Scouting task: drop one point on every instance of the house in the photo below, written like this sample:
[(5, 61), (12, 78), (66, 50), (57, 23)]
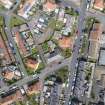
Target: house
[(96, 32), (53, 56), (33, 88), (6, 3), (20, 43), (49, 6), (11, 98), (66, 42), (32, 63), (94, 40), (4, 53), (9, 73), (25, 8), (99, 4)]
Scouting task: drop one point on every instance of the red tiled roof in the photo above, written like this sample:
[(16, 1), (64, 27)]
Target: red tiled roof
[(12, 98), (20, 44), (66, 42), (35, 88), (48, 6), (99, 4), (96, 32), (5, 50)]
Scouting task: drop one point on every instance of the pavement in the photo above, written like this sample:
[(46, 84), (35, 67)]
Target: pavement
[(77, 44), (45, 72), (71, 63)]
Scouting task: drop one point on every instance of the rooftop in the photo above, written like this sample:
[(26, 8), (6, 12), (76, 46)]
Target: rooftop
[(6, 3), (34, 88), (49, 6), (102, 57), (25, 8), (17, 96), (4, 50), (7, 74), (96, 32), (66, 42), (93, 50), (32, 63), (20, 43), (99, 4)]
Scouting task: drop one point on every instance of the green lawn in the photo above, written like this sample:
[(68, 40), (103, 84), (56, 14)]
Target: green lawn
[(15, 21), (2, 32), (1, 20)]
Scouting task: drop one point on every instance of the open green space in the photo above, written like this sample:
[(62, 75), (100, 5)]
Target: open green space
[(15, 21), (34, 51), (66, 52), (2, 32), (63, 74), (52, 23), (55, 24), (71, 11), (1, 20), (59, 25)]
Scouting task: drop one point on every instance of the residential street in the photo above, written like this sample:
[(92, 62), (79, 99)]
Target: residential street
[(74, 88)]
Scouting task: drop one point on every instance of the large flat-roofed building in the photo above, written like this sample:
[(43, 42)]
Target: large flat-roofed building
[(6, 3), (102, 57)]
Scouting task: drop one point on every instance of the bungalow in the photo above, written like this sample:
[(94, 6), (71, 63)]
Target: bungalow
[(99, 4), (32, 63), (66, 42), (6, 3), (9, 73), (11, 98), (94, 40), (49, 6), (33, 88), (25, 8), (20, 43), (4, 52)]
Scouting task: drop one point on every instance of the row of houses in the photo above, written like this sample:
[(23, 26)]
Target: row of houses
[(16, 95), (6, 54), (23, 38), (26, 9)]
